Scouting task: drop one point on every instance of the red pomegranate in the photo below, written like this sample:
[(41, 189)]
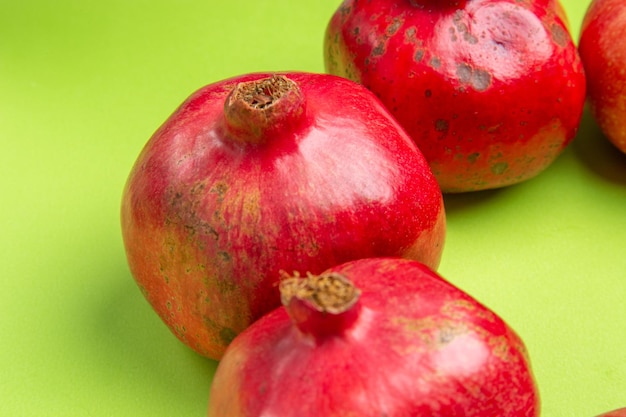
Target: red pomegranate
[(491, 91), (261, 173), (602, 48), (375, 337), (615, 413)]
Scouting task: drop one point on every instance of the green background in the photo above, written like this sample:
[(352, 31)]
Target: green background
[(82, 87)]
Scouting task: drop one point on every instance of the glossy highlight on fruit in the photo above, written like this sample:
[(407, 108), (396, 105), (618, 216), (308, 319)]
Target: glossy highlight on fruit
[(375, 337), (492, 91), (267, 172), (602, 49)]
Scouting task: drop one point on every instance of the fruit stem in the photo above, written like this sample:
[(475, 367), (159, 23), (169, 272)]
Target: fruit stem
[(255, 111), (321, 305)]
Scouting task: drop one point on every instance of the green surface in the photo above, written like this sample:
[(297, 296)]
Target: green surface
[(82, 87)]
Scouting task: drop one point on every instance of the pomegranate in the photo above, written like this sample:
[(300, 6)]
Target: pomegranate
[(265, 172), (375, 337), (491, 91), (602, 49), (615, 413)]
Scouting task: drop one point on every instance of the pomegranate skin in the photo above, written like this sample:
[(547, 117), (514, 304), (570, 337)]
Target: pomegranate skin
[(602, 48), (621, 412), (420, 347), (213, 210), (492, 91)]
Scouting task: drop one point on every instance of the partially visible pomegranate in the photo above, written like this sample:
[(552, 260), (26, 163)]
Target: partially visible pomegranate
[(375, 337), (615, 413), (491, 91), (602, 49), (265, 172)]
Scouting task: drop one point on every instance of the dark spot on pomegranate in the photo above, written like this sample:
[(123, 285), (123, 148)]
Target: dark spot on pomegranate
[(224, 286), (409, 35), (220, 188), (428, 93), (494, 129), (227, 335), (453, 37), (442, 125), (393, 28), (419, 55), (469, 38), (345, 10), (464, 72), (481, 79), (379, 49), (499, 168), (208, 230), (446, 335), (559, 35), (435, 62), (471, 158)]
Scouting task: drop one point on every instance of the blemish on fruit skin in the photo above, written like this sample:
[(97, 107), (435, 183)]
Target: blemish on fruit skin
[(493, 129), (464, 72), (462, 28), (479, 79), (379, 49), (393, 27), (391, 30), (345, 11), (442, 125), (499, 168), (435, 62), (227, 335), (419, 55), (495, 156), (559, 35), (220, 188), (453, 37), (470, 38), (409, 35), (224, 256), (180, 330)]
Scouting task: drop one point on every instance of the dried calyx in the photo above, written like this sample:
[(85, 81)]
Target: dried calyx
[(331, 293), (263, 93), (256, 111), (320, 305)]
